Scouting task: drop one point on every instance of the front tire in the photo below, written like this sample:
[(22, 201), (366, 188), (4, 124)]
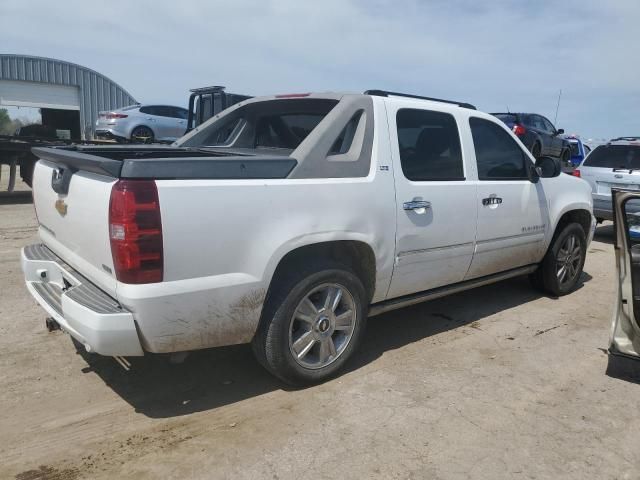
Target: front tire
[(561, 268), (142, 134), (311, 324)]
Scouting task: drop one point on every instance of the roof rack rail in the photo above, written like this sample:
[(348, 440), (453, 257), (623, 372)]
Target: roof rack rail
[(385, 93), (626, 139), (212, 89)]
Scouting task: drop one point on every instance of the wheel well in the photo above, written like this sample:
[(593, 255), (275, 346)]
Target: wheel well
[(582, 217), (533, 146), (356, 255)]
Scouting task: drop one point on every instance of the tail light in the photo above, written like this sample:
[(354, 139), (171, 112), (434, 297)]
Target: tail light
[(113, 116), (135, 231), (519, 130), (576, 173)]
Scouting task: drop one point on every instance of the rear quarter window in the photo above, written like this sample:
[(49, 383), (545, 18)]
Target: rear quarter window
[(506, 117)]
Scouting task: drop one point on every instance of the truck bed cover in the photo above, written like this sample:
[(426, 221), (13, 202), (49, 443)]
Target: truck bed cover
[(168, 163)]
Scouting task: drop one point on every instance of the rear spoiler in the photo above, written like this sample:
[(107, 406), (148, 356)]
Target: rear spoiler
[(79, 161), (167, 163)]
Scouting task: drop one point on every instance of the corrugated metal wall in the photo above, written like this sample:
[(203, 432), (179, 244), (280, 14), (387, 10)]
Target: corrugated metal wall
[(97, 92)]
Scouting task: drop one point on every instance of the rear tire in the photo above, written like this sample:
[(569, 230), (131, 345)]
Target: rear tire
[(308, 330), (561, 269)]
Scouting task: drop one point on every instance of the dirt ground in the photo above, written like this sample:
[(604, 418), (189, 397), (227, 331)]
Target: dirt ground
[(495, 383)]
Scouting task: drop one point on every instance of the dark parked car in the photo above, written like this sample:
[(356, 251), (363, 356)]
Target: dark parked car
[(538, 134)]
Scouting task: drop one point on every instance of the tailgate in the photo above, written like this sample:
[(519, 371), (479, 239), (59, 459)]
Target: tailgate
[(75, 225), (602, 180)]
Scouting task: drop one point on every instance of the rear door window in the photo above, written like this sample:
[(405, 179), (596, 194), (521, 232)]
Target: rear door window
[(537, 123), (548, 126), (498, 155), (624, 157), (429, 145), (169, 112), (174, 112)]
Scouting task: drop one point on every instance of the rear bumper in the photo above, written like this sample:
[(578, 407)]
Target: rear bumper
[(84, 311), (603, 208), (110, 132)]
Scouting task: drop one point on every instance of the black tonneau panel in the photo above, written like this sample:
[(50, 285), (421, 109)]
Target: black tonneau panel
[(168, 163), (79, 161), (209, 168)]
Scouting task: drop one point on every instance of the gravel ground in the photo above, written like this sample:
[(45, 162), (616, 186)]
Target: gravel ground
[(495, 383)]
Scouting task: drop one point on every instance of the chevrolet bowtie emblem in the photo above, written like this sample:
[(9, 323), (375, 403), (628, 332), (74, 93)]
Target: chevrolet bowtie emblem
[(61, 207)]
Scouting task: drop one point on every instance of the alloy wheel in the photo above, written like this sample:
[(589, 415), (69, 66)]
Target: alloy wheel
[(322, 326), (141, 135), (568, 260)]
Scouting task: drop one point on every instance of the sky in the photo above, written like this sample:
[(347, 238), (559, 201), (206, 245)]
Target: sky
[(496, 54)]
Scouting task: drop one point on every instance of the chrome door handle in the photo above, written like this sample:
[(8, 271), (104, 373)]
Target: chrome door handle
[(418, 206)]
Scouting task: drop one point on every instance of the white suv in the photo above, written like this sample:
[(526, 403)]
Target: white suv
[(614, 165)]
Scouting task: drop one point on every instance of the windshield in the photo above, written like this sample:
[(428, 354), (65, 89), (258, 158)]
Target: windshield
[(277, 124), (615, 156)]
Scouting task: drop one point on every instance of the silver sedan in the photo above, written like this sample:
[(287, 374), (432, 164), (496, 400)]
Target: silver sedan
[(143, 123)]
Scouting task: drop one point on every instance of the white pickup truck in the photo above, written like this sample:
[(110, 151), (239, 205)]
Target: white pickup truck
[(285, 221)]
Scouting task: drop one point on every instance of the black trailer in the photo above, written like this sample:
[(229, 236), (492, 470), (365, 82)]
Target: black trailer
[(15, 151), (206, 102)]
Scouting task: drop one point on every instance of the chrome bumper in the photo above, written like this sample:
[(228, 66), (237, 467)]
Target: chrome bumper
[(83, 310)]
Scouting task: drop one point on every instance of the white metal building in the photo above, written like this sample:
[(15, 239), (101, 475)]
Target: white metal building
[(27, 81)]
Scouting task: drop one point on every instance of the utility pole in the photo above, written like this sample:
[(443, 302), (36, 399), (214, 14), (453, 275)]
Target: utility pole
[(555, 120)]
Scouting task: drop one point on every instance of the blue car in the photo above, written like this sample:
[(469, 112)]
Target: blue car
[(579, 150)]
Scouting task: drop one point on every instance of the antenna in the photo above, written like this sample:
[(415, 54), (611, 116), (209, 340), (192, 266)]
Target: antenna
[(555, 120)]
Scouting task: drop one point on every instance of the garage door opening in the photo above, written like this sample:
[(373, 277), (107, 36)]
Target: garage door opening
[(41, 110), (45, 123)]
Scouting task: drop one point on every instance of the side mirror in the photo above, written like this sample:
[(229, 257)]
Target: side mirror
[(548, 167), (560, 131)]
